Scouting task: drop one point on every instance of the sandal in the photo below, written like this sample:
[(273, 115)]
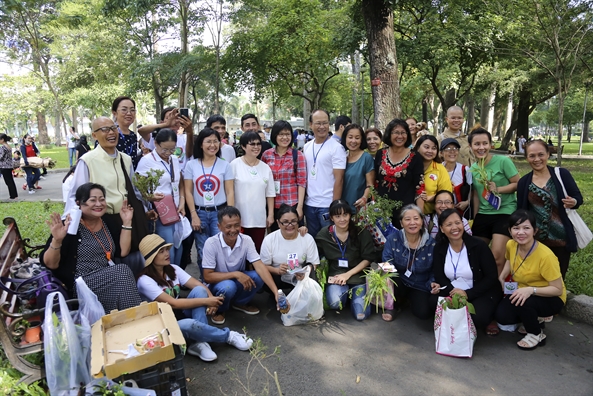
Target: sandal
[(546, 319), (388, 315), (532, 341), (542, 325), (492, 329)]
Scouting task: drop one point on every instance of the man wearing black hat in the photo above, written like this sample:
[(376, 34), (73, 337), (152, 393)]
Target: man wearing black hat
[(6, 165)]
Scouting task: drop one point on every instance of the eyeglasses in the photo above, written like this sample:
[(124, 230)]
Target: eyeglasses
[(444, 202), (451, 149), (211, 142), (126, 111), (283, 135), (164, 150), (318, 124), (398, 133), (93, 202), (286, 223), (254, 144), (107, 129)]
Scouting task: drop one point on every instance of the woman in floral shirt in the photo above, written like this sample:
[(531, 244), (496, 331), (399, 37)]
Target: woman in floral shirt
[(399, 171)]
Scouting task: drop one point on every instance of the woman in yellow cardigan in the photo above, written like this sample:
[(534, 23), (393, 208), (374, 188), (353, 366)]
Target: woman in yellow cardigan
[(436, 177)]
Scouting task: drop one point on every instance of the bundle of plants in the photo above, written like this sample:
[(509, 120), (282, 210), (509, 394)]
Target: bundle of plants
[(380, 285), (148, 184), (457, 302), (376, 217)]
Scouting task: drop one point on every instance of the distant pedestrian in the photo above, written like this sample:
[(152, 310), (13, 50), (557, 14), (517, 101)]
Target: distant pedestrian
[(72, 139), (6, 165)]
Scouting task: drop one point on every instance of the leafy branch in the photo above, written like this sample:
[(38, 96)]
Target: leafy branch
[(377, 212), (149, 183), (456, 302)]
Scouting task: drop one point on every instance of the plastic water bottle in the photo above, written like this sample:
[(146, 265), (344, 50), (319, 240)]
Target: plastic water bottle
[(282, 303), (174, 388)]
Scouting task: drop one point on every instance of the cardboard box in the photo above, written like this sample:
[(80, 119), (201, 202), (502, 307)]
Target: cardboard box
[(119, 329)]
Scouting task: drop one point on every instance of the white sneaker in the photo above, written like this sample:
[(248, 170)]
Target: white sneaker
[(239, 341), (31, 191), (203, 351)]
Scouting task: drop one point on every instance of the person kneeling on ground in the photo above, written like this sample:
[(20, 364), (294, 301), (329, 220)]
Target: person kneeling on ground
[(224, 266), (161, 281), (348, 251), (410, 250), (535, 291), (288, 248), (90, 253)]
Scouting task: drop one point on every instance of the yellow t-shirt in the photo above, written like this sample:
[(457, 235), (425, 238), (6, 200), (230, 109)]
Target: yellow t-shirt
[(540, 268), (436, 178)]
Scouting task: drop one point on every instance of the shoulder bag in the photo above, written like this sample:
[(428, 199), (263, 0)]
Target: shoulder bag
[(583, 233)]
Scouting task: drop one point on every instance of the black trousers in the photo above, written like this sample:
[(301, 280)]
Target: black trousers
[(420, 301), (9, 180), (508, 313)]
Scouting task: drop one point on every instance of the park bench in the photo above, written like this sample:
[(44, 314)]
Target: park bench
[(13, 326)]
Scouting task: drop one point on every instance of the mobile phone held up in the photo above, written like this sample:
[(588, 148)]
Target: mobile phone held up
[(184, 112)]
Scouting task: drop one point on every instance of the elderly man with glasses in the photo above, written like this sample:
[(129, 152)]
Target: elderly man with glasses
[(113, 170)]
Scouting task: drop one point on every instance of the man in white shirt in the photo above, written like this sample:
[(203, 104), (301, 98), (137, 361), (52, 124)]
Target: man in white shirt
[(72, 138), (218, 123), (225, 255), (326, 164)]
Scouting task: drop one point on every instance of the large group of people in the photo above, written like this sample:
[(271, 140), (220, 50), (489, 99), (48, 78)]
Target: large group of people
[(466, 223)]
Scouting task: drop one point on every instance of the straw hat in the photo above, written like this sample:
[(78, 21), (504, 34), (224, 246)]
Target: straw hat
[(150, 246)]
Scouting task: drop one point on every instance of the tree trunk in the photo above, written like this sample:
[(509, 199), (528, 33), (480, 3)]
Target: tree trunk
[(560, 119), (491, 100), (484, 113), (470, 113), (355, 62), (586, 132), (509, 114), (41, 123), (378, 17), (306, 111), (183, 83)]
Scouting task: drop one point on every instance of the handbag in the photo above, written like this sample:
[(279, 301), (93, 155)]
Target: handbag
[(454, 331), (582, 232), (167, 210), (34, 289)]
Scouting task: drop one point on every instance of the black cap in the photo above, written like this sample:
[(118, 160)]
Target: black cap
[(449, 141)]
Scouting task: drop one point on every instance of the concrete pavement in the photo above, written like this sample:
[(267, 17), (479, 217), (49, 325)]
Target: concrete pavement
[(51, 188)]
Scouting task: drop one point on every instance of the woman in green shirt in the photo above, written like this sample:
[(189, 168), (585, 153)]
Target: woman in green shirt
[(495, 181)]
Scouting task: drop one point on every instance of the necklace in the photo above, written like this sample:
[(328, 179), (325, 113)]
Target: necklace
[(245, 160)]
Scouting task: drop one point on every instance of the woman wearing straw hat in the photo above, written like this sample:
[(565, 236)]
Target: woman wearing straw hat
[(161, 281)]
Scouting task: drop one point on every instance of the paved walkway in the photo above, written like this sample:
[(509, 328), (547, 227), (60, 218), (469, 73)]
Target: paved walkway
[(51, 188)]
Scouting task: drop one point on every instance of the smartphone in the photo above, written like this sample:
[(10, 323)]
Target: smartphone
[(184, 112), (325, 216), (331, 280)]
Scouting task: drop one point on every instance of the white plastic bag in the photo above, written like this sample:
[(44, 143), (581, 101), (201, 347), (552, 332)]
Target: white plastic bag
[(454, 331), (89, 304), (306, 302), (66, 347)]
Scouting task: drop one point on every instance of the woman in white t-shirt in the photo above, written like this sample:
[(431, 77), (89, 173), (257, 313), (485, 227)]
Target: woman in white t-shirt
[(254, 187), (161, 281), (209, 187), (286, 249)]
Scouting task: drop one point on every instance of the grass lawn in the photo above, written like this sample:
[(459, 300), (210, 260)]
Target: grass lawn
[(31, 217), (60, 154)]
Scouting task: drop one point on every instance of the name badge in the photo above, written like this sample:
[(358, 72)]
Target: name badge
[(292, 260), (313, 173), (343, 263), (277, 187), (510, 287), (208, 198), (408, 273)]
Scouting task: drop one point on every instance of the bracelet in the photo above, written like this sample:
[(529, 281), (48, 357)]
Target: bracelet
[(192, 211), (534, 290), (55, 248), (126, 228)]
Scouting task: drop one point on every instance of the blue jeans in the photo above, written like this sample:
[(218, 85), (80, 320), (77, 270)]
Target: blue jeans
[(233, 291), (71, 155), (33, 175), (337, 296), (197, 328), (167, 232), (209, 227), (315, 221)]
